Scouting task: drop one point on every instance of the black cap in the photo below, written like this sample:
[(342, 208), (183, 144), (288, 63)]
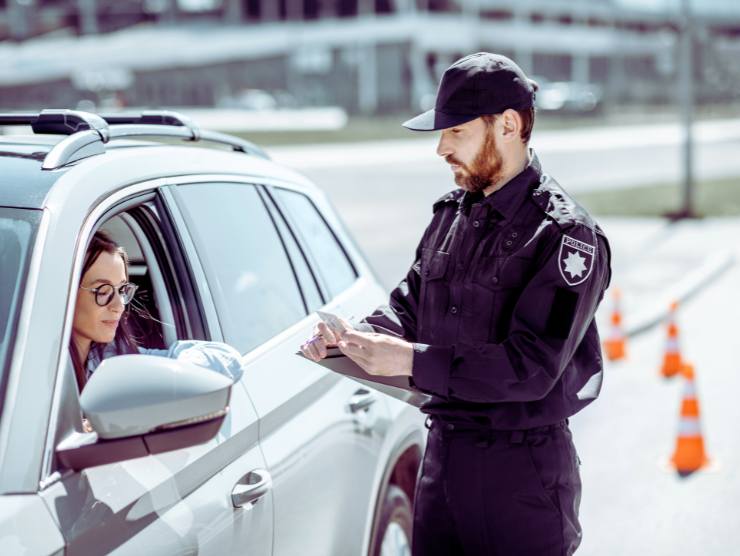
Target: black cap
[(476, 85)]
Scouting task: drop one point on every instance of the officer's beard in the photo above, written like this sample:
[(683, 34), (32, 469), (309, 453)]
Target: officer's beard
[(485, 170)]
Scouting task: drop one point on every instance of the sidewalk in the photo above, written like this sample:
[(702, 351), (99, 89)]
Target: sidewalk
[(656, 263)]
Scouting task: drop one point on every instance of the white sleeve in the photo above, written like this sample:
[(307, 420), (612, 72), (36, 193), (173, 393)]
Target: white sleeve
[(216, 356)]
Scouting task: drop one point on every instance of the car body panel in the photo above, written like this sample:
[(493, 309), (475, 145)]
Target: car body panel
[(328, 465), (26, 527), (176, 502)]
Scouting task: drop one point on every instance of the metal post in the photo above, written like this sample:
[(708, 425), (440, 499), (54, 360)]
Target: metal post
[(294, 10), (367, 74), (580, 68), (270, 10), (88, 13), (686, 76), (234, 12)]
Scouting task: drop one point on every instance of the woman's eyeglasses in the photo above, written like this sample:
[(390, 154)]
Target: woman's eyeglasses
[(104, 293)]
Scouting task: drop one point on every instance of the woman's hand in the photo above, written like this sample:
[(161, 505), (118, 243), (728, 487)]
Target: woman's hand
[(86, 426)]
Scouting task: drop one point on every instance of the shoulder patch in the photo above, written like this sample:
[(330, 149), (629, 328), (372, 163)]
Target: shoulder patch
[(575, 260)]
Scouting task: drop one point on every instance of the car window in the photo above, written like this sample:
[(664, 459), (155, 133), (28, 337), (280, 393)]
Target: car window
[(246, 265), (306, 279), (17, 232), (329, 257)]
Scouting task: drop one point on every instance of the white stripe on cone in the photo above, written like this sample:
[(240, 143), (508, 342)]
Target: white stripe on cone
[(689, 427)]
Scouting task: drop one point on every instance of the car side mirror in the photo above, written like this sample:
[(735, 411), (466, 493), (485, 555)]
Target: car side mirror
[(145, 404)]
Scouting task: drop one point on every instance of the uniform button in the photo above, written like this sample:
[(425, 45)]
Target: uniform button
[(494, 279), (509, 243), (450, 427), (476, 223), (426, 272), (514, 234), (453, 310)]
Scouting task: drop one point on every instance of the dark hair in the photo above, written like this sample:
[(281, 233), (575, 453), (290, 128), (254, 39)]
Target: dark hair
[(527, 116), (123, 340)]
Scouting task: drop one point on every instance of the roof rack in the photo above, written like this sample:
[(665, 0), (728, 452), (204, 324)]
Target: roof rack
[(89, 132)]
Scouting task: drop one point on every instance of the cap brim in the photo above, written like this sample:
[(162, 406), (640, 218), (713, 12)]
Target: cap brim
[(432, 120)]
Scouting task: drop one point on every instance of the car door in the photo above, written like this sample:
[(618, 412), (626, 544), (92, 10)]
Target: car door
[(320, 433), (180, 502)]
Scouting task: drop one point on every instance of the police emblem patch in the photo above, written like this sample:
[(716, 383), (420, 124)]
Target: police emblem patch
[(575, 261)]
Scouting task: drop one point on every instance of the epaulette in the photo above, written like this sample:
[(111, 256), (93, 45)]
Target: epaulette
[(558, 205), (451, 197)]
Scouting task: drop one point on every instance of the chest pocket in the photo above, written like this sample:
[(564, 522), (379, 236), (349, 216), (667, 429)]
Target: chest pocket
[(433, 264), (500, 273)]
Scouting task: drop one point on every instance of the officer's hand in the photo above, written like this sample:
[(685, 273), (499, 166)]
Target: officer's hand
[(378, 354), (323, 338)]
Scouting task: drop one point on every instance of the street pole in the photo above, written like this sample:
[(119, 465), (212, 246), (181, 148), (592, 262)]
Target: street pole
[(686, 76)]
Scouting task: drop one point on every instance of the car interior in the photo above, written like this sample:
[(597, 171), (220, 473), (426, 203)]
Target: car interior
[(149, 315)]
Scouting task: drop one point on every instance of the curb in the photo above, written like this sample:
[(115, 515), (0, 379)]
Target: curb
[(713, 267)]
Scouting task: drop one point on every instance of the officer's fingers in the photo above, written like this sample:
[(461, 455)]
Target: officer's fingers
[(347, 326), (324, 331), (315, 351)]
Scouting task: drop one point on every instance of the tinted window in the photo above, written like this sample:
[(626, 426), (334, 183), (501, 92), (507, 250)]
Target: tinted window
[(328, 256), (17, 232), (253, 284)]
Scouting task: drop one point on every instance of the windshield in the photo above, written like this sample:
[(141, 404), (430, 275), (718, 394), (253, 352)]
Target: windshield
[(17, 232)]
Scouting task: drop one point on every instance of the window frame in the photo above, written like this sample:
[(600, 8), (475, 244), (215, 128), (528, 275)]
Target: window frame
[(303, 244), (131, 199), (14, 310), (276, 213)]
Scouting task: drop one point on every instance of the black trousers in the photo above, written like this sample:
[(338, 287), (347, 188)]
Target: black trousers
[(497, 493)]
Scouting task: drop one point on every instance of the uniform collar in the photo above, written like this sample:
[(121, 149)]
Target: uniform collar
[(507, 200)]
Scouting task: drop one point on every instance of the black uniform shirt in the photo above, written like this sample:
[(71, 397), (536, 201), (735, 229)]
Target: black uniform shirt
[(500, 305)]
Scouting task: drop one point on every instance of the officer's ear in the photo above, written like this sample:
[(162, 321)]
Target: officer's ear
[(510, 123)]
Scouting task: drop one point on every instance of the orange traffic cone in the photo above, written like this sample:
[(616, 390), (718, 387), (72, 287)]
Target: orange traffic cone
[(689, 455), (672, 358), (615, 344)]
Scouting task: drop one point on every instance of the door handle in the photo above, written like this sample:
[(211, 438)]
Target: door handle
[(251, 487), (362, 399)]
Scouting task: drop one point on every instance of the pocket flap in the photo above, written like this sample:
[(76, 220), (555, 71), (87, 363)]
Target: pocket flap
[(433, 263)]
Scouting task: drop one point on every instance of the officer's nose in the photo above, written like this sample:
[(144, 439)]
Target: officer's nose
[(443, 147)]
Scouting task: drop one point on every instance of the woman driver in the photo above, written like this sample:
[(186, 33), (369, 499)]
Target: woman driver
[(100, 330)]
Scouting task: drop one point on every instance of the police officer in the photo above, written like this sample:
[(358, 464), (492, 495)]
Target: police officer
[(495, 319)]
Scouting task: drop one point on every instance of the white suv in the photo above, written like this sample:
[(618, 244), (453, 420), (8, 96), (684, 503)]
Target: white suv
[(225, 245)]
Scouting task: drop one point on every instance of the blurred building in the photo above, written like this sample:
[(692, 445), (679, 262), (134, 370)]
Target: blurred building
[(368, 56)]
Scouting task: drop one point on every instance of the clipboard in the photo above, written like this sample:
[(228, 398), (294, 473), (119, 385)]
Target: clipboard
[(397, 387)]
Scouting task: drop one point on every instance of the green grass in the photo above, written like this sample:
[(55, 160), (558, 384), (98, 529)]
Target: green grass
[(389, 127), (712, 198), (377, 128)]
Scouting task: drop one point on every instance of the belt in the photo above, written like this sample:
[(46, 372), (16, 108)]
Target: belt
[(488, 434)]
